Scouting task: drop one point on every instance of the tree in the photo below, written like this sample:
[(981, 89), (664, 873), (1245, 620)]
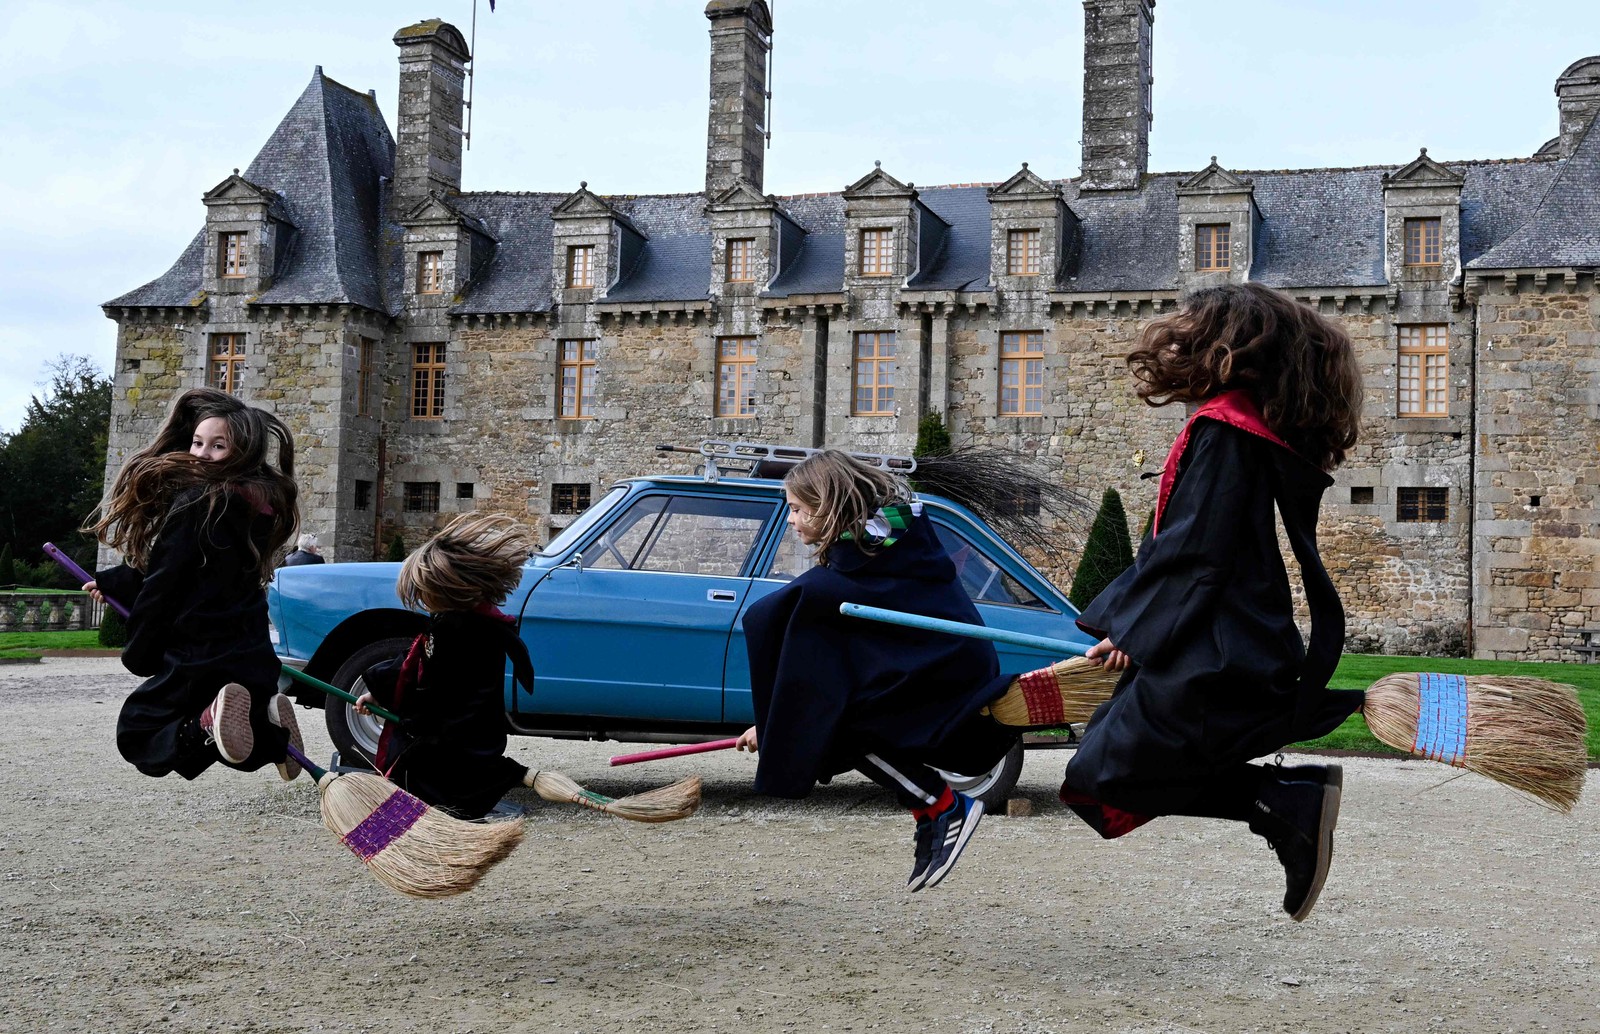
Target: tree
[(1107, 554), (933, 438), (52, 470), (113, 632), (397, 548), (8, 568)]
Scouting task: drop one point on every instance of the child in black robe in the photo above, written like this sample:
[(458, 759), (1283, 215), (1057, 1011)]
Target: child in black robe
[(449, 690), (833, 693), (1203, 623), (199, 515)]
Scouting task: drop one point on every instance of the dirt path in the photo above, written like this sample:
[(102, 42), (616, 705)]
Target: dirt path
[(131, 904)]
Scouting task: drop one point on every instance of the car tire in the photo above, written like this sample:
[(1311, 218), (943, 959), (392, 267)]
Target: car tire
[(355, 736), (993, 787)]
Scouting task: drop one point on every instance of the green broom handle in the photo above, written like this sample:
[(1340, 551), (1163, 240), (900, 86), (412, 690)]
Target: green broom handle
[(335, 691), (996, 635)]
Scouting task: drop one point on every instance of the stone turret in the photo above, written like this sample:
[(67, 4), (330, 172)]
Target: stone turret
[(741, 36), (1578, 95), (1116, 93)]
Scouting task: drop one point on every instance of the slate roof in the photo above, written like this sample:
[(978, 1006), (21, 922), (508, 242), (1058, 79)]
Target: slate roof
[(325, 160), (1319, 227)]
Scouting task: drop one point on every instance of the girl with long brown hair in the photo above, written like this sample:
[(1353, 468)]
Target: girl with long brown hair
[(199, 515), (1203, 624)]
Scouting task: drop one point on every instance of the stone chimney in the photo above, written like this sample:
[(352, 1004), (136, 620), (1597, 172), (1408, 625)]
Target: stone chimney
[(427, 156), (1578, 95), (1116, 93), (741, 35)]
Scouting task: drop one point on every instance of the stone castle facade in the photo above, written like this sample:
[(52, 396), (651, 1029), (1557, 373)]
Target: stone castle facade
[(436, 350)]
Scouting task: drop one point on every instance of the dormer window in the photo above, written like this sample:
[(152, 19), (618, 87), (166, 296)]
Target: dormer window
[(430, 272), (1422, 242), (580, 265), (1022, 253), (232, 261), (741, 260), (877, 252), (1211, 252)]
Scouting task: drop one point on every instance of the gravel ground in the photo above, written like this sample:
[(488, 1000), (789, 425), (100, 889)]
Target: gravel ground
[(135, 904)]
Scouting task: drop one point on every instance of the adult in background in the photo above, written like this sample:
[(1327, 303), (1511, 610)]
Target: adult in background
[(307, 551)]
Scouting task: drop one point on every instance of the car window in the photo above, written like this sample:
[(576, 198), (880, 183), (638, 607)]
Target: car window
[(585, 521), (792, 559), (984, 580), (681, 535)]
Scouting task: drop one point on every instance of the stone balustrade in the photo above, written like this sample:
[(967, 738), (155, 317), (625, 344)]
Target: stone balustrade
[(48, 611)]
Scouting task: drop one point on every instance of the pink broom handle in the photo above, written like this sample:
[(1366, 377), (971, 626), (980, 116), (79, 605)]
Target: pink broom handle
[(83, 577), (672, 752)]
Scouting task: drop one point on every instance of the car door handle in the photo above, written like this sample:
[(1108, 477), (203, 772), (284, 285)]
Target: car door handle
[(721, 595)]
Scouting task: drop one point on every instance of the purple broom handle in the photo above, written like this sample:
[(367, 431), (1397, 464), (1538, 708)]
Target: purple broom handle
[(84, 577), (674, 752)]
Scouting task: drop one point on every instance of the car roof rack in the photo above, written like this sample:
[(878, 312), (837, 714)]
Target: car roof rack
[(763, 460)]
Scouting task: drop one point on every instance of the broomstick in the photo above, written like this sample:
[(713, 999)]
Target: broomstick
[(664, 804), (1526, 733), (409, 846)]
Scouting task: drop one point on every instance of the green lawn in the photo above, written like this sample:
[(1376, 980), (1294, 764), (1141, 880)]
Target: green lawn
[(28, 644), (1358, 671)]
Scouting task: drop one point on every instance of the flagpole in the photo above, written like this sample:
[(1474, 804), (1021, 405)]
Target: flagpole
[(472, 63)]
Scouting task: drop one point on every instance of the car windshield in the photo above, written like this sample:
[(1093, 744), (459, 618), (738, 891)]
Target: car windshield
[(585, 521)]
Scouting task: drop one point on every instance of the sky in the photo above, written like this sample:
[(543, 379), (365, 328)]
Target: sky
[(121, 115)]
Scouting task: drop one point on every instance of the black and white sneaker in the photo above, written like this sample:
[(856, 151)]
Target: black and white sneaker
[(924, 853), (952, 828)]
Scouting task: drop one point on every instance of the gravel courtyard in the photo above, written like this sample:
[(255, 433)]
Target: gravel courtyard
[(135, 904)]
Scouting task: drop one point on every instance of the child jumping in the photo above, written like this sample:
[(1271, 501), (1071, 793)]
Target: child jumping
[(199, 515), (1203, 624), (832, 693), (449, 745)]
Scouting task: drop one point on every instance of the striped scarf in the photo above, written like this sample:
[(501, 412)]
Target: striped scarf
[(886, 526)]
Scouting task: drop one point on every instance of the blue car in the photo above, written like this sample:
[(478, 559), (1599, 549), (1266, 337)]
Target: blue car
[(633, 615)]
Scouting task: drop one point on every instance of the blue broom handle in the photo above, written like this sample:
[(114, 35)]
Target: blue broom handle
[(997, 635)]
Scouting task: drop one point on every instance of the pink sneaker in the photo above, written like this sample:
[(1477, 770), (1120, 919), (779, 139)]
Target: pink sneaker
[(280, 711), (226, 723)]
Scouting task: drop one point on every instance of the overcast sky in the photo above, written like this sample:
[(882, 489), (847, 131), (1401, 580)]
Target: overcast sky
[(120, 115)]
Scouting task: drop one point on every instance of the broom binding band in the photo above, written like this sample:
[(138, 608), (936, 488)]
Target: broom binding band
[(1441, 718)]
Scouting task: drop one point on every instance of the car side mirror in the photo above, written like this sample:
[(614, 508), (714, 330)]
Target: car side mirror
[(576, 563)]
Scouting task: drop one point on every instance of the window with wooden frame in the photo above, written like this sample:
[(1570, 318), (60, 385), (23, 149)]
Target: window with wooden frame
[(741, 260), (577, 376), (1422, 242), (877, 252), (430, 272), (1022, 373), (569, 498), (1422, 505), (366, 352), (363, 500), (874, 374), (233, 260), (1022, 252), (1211, 247), (736, 377), (580, 265), (1424, 370), (427, 381), (225, 372), (422, 497)]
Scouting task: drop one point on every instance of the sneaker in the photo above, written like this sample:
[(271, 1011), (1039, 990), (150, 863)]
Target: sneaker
[(226, 723), (280, 712), (924, 852), (951, 829), (1297, 809)]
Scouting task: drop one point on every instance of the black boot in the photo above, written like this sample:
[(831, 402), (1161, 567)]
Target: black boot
[(1296, 810)]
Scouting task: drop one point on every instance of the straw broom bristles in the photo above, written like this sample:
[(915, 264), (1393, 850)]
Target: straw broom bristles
[(1065, 693), (409, 846), (1526, 733), (664, 804)]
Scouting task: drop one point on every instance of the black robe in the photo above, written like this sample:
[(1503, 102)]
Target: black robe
[(829, 689), (449, 745), (1219, 672), (197, 621)]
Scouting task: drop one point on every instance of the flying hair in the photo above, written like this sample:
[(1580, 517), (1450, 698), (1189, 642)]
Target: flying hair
[(475, 560), (842, 494)]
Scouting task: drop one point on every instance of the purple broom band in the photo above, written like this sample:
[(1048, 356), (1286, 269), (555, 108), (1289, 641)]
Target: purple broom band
[(1441, 717), (388, 822)]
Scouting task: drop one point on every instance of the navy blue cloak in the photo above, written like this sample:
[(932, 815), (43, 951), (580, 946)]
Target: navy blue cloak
[(830, 689)]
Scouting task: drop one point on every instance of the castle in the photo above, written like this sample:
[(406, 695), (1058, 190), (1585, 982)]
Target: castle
[(436, 351)]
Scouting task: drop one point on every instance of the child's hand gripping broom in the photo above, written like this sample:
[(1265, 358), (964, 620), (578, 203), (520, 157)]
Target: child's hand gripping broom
[(1065, 693), (1526, 733), (664, 804), (407, 845)]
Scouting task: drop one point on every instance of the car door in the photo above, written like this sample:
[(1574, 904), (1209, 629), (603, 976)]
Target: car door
[(637, 625)]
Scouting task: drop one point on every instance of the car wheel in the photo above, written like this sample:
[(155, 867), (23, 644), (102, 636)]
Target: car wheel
[(994, 786), (355, 736)]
